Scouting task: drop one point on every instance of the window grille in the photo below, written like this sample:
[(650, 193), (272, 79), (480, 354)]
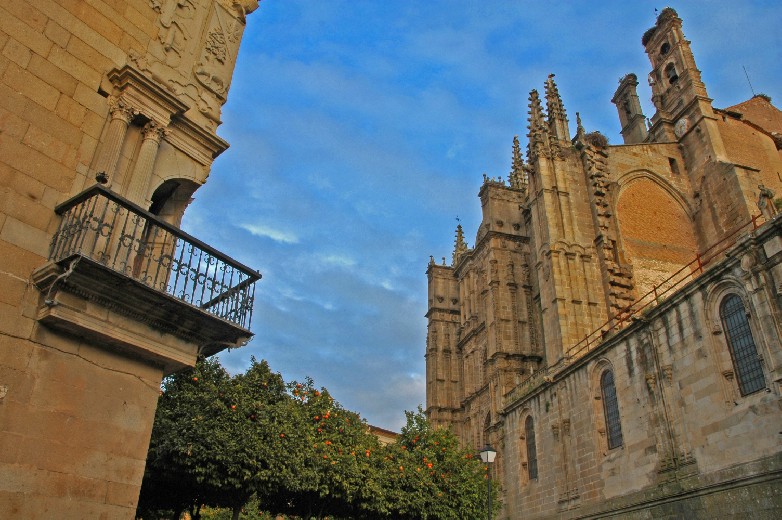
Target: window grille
[(532, 452), (611, 408), (746, 362)]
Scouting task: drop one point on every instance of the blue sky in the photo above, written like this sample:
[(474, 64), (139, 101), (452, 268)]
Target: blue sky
[(359, 130)]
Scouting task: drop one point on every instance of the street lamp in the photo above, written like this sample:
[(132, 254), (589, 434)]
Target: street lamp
[(487, 456)]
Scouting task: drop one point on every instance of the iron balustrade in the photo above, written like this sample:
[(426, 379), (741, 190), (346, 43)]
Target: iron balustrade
[(625, 316), (100, 225)]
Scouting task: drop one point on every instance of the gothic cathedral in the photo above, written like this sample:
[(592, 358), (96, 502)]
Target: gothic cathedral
[(615, 330)]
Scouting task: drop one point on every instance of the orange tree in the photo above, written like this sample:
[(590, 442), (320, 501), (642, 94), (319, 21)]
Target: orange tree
[(428, 476), (218, 440), (336, 470), (215, 440)]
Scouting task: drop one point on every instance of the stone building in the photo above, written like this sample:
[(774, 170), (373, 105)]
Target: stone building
[(108, 118), (615, 330)]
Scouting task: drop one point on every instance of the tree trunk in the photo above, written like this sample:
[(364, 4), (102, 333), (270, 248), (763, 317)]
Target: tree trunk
[(237, 510)]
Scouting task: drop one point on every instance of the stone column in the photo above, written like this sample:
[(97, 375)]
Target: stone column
[(121, 116), (139, 181)]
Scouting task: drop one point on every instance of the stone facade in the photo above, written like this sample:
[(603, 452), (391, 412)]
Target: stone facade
[(615, 331), (108, 117)]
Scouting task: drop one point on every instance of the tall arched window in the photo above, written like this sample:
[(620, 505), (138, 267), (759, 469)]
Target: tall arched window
[(611, 409), (746, 362), (532, 452)]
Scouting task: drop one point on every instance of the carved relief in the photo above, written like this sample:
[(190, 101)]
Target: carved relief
[(215, 65), (195, 52), (178, 18)]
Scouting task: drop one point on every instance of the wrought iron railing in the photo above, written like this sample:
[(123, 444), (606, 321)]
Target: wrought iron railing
[(624, 317), (100, 225), (659, 292)]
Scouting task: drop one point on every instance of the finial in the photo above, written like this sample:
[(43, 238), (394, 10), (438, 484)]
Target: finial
[(431, 260), (517, 177), (460, 246), (536, 125), (557, 119)]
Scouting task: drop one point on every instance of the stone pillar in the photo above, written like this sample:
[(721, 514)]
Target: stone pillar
[(121, 116), (139, 181)]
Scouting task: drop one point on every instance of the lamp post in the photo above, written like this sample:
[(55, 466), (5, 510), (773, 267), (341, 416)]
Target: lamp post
[(487, 456)]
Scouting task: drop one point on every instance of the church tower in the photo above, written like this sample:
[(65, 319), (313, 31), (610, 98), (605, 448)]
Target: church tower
[(572, 302), (678, 93), (724, 191)]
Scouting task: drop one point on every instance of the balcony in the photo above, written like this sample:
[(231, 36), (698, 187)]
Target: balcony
[(120, 274)]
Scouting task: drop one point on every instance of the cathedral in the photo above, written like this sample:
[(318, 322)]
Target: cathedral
[(614, 333)]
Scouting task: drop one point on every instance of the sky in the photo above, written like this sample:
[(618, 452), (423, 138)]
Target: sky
[(360, 131)]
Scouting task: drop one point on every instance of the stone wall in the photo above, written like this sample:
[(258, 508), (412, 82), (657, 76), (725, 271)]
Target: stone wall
[(130, 90), (604, 228), (692, 443)]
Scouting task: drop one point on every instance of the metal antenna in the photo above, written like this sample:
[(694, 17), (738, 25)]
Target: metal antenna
[(748, 81)]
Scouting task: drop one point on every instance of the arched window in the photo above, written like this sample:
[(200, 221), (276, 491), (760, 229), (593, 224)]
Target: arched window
[(746, 362), (611, 409), (532, 452), (670, 73)]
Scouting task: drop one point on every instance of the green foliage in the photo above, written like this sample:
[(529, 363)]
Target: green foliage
[(213, 440), (428, 476), (250, 445)]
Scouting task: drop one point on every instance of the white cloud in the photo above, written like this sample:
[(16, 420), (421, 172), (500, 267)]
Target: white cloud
[(338, 260), (277, 235), (360, 130)]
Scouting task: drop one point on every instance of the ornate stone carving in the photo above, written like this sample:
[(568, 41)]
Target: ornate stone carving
[(766, 202), (121, 109), (154, 131), (178, 19)]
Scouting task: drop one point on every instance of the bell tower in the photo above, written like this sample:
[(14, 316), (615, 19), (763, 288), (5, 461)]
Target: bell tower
[(682, 104)]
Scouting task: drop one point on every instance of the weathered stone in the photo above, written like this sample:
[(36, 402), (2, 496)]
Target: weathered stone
[(625, 274), (82, 355)]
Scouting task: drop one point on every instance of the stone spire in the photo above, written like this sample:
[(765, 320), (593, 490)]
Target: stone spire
[(460, 246), (580, 132), (517, 177), (557, 118), (538, 131)]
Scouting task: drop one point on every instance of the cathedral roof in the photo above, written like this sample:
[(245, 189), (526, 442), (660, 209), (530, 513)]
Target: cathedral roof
[(759, 111)]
